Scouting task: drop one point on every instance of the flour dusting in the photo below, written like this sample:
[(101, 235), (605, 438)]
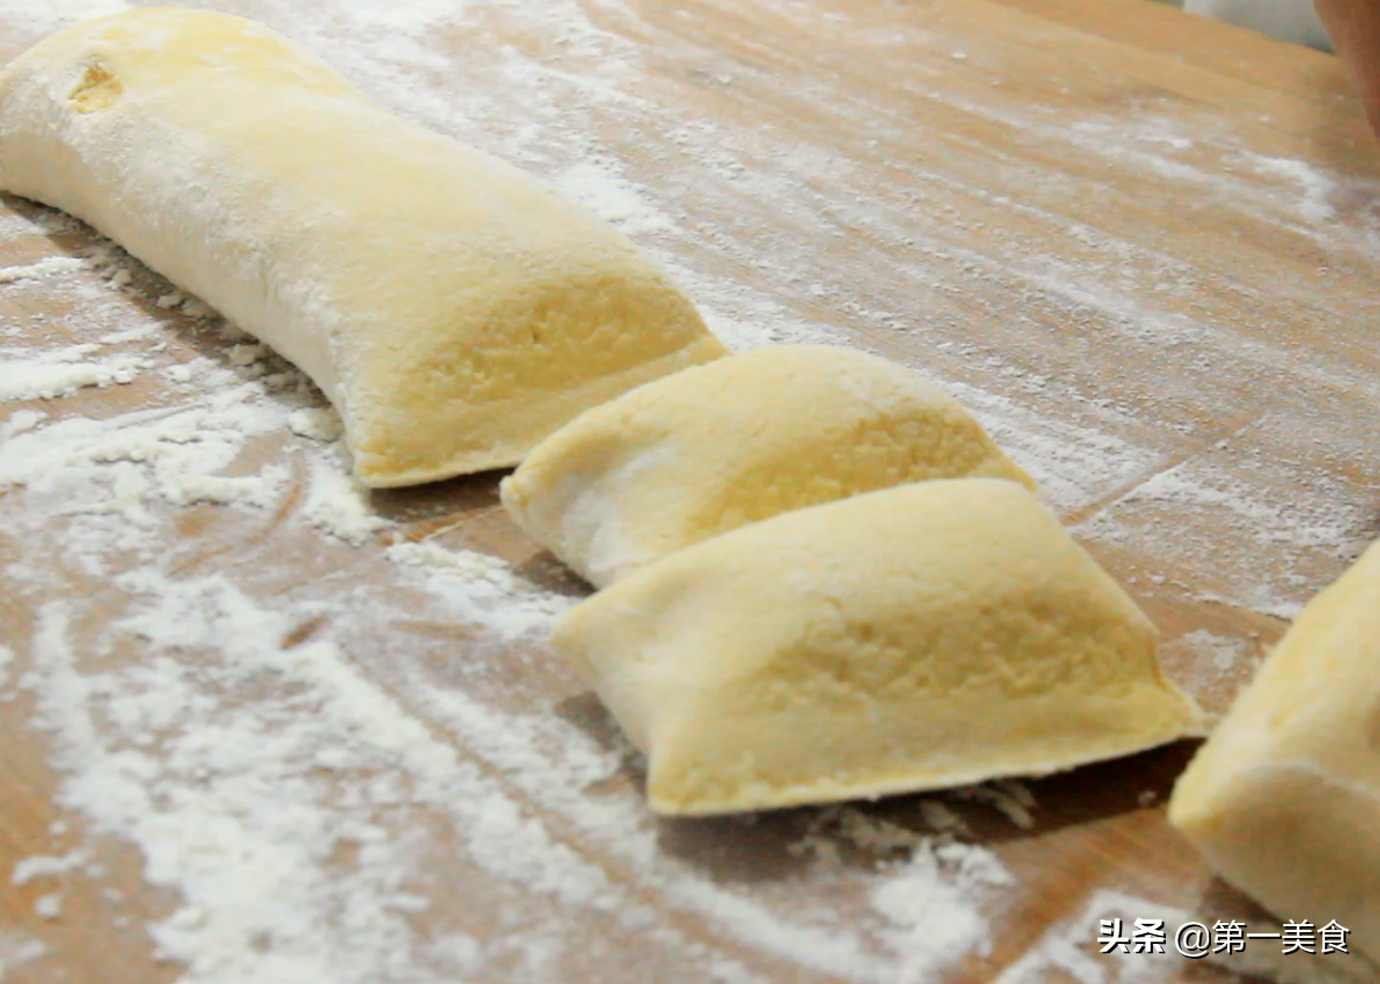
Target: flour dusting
[(479, 588), (1314, 185), (318, 423), (324, 719), (1063, 949), (338, 503), (40, 269), (16, 950), (62, 372)]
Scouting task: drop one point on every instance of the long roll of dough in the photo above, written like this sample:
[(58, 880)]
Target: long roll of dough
[(453, 309)]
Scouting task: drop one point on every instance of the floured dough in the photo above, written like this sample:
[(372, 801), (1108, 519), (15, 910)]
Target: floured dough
[(452, 308), (739, 440), (1284, 799), (929, 635)]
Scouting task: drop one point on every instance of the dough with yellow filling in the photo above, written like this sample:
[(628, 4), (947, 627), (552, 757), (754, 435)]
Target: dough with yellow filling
[(452, 308), (933, 634), (742, 439), (1284, 798)]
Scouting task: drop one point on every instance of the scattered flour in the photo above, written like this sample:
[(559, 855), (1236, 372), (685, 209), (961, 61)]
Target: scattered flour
[(1313, 183), (117, 464), (20, 421), (47, 866), (1270, 552), (1063, 951), (333, 795), (1285, 611), (243, 762), (479, 589), (48, 906), (556, 764), (596, 185), (75, 10), (40, 269), (1223, 653), (930, 903), (16, 950), (338, 503), (318, 423), (62, 372), (241, 812)]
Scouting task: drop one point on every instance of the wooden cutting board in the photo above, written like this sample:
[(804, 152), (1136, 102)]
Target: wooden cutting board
[(1142, 246)]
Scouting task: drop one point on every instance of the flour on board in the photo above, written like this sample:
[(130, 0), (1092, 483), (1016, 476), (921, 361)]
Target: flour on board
[(320, 755), (1062, 951), (42, 268), (62, 372), (478, 588), (241, 807), (338, 503), (318, 423), (16, 950)]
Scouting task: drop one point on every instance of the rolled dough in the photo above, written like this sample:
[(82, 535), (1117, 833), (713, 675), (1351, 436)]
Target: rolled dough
[(742, 439), (1284, 798), (928, 635), (452, 308)]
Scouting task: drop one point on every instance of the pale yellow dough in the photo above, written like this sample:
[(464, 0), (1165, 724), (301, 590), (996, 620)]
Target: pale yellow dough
[(1284, 799), (452, 308), (742, 439), (929, 635)]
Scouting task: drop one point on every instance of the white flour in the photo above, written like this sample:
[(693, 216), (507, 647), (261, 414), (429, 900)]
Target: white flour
[(239, 760), (1223, 652), (318, 423), (1316, 186), (1063, 951), (43, 268), (17, 950), (61, 372), (242, 771), (337, 502), (478, 589), (348, 756)]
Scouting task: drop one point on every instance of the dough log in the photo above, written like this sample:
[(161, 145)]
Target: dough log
[(929, 635), (740, 440), (1283, 800), (452, 308)]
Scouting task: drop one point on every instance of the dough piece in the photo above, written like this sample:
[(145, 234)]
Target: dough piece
[(740, 440), (1284, 799), (929, 635), (452, 308)]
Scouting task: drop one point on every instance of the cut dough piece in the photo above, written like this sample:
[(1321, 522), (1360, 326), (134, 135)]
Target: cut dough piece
[(452, 308), (1284, 799), (745, 438), (929, 635)]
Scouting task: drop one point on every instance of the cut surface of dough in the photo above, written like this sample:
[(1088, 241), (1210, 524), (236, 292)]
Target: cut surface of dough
[(452, 308), (742, 439), (929, 635), (1283, 800)]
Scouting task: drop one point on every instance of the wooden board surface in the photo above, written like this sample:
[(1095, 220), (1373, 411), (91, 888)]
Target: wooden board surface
[(1140, 245)]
